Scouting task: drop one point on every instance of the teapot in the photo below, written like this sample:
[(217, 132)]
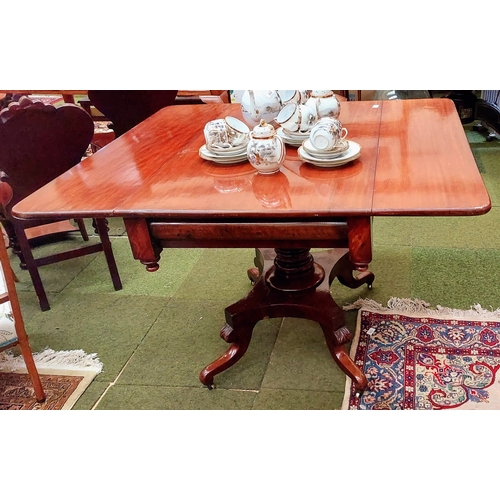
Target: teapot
[(325, 103), (257, 105), (265, 150)]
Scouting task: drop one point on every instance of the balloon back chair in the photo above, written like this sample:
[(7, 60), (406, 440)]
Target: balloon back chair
[(39, 142)]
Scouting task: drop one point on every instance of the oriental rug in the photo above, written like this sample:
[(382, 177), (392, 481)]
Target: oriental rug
[(64, 375), (419, 358)]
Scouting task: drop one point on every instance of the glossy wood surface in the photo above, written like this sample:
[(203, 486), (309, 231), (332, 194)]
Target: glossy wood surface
[(425, 165), (415, 160)]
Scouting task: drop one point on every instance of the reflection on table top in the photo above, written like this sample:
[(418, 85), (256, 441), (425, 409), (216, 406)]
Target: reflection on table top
[(415, 161)]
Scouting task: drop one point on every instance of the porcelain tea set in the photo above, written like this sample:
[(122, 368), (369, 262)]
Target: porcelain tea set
[(226, 141), (304, 119)]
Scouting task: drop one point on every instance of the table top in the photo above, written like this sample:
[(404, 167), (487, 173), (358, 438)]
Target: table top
[(415, 160)]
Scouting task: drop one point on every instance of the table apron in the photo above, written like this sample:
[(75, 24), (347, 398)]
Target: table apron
[(149, 236), (241, 235)]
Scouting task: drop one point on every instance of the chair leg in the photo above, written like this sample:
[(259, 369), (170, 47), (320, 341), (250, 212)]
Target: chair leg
[(94, 225), (32, 269), (31, 367), (83, 229), (102, 229), (22, 337), (14, 243)]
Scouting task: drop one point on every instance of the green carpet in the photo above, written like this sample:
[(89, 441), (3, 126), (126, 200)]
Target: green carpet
[(156, 334)]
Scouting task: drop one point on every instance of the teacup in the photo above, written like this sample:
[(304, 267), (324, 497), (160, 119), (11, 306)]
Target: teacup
[(288, 96), (238, 132), (296, 118), (226, 133), (327, 133)]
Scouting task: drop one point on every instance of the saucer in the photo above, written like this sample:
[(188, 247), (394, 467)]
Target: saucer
[(222, 159), (292, 140), (333, 153), (351, 154), (230, 151), (295, 135)]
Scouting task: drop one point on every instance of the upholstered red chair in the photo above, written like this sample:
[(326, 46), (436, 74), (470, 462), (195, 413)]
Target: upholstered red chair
[(38, 143)]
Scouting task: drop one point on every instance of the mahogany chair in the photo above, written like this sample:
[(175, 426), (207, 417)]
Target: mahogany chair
[(127, 108), (39, 142)]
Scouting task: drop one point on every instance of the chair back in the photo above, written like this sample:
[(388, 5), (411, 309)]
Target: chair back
[(127, 108), (39, 142), (5, 192)]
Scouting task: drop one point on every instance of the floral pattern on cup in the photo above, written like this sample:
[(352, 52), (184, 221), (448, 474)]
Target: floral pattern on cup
[(226, 133), (296, 118), (327, 133), (215, 132), (238, 132)]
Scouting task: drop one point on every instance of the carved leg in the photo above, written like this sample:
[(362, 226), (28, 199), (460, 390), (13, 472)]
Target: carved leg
[(144, 247), (334, 341), (14, 243), (253, 275), (343, 270), (239, 344), (290, 284), (261, 256), (360, 242), (95, 225)]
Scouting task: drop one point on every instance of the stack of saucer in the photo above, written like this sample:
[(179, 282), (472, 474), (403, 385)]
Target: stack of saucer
[(292, 138), (344, 152), (226, 156), (226, 141)]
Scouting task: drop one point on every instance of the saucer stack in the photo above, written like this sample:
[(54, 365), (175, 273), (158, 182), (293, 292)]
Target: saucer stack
[(225, 156), (226, 141), (342, 153), (292, 138)]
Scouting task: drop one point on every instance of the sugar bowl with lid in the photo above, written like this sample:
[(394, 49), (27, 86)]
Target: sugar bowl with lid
[(265, 150)]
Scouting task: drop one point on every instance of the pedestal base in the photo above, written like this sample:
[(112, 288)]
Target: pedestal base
[(291, 283)]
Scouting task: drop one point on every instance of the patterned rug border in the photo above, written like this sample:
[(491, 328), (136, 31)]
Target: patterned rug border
[(74, 363), (414, 308)]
